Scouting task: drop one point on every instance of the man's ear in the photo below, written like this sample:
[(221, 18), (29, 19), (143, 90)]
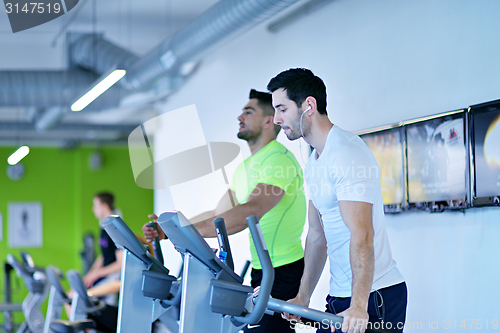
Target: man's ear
[(269, 122), (310, 102)]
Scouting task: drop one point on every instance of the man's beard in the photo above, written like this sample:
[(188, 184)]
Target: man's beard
[(248, 135), (293, 132)]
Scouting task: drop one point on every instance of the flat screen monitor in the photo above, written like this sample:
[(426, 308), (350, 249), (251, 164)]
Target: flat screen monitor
[(486, 152), (437, 161), (387, 147)]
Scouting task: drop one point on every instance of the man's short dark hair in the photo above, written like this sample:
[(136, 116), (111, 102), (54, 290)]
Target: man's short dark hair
[(265, 103), (299, 84), (108, 198)]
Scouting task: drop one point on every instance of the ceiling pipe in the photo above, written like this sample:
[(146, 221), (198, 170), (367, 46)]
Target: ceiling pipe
[(13, 133), (224, 19), (57, 88), (45, 89), (94, 53), (41, 88), (32, 113), (51, 89), (21, 127), (49, 118)]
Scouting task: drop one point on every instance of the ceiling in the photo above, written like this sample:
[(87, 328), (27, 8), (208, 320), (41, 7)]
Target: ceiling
[(136, 26), (159, 41)]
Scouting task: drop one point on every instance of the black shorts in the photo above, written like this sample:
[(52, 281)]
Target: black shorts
[(286, 279), (286, 286)]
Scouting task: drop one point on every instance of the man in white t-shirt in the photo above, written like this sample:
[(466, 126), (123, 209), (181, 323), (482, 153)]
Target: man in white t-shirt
[(346, 216)]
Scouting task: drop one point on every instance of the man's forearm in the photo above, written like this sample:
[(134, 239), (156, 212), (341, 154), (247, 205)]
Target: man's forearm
[(203, 217), (314, 262), (114, 267), (106, 289), (234, 218), (97, 263), (362, 266)]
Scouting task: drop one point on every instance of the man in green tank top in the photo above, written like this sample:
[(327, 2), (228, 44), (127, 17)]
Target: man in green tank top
[(268, 184)]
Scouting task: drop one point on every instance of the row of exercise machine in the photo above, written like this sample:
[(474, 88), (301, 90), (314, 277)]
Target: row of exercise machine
[(208, 296), (36, 280), (7, 307)]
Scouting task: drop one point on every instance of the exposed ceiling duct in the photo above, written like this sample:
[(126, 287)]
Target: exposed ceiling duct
[(224, 19), (94, 53), (45, 89), (52, 89), (49, 117), (13, 132), (67, 127)]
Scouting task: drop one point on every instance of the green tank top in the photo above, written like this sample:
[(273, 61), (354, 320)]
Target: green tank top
[(282, 226)]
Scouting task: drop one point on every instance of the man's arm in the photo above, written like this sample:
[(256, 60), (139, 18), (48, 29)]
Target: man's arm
[(103, 271), (150, 233), (262, 199), (112, 287), (97, 263), (314, 260), (227, 202), (358, 218)]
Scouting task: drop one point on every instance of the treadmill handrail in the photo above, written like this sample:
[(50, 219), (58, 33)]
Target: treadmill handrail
[(76, 283), (156, 244), (267, 273), (54, 276), (123, 237), (186, 238), (324, 318), (220, 229), (18, 267), (279, 306)]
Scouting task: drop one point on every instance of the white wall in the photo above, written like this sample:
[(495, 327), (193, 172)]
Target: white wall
[(382, 61)]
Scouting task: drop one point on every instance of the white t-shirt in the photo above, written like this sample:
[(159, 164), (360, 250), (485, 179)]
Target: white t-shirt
[(348, 171)]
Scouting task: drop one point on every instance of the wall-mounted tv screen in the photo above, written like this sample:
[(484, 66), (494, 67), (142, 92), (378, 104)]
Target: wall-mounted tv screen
[(437, 160), (387, 148), (486, 151)]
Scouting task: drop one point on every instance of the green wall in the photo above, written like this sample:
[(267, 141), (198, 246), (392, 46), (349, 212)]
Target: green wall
[(64, 184)]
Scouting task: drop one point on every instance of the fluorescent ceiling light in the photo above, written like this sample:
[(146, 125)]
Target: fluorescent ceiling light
[(98, 89), (18, 155)]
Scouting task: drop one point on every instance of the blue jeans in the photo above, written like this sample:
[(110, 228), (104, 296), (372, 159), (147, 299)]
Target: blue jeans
[(386, 308)]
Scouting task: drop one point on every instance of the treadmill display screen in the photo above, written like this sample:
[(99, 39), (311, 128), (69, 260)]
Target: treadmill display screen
[(388, 151), (487, 153), (436, 159)]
